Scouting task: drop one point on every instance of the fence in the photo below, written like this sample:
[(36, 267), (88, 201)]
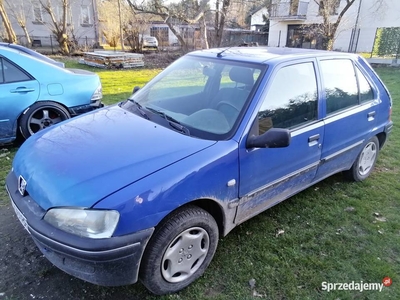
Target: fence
[(381, 43), (49, 44)]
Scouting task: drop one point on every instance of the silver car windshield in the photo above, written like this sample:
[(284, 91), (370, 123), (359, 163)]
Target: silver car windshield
[(203, 94)]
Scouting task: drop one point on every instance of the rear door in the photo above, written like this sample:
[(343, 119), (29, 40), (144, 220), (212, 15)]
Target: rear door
[(351, 105), (18, 90), (268, 176)]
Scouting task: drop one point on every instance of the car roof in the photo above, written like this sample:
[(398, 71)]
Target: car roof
[(16, 47), (265, 54)]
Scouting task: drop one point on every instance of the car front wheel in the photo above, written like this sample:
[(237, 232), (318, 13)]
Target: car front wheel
[(180, 250), (365, 161), (41, 115)]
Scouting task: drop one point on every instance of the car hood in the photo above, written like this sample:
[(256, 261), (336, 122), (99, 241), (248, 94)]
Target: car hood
[(83, 160)]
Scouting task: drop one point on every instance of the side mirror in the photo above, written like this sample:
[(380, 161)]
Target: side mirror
[(135, 89), (273, 138)]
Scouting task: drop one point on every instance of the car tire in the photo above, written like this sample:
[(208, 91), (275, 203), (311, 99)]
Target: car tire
[(365, 161), (41, 115), (180, 250)]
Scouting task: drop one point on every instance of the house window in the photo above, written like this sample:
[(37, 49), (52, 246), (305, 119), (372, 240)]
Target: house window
[(161, 33), (58, 13), (37, 13), (329, 6), (294, 7), (304, 36), (85, 15)]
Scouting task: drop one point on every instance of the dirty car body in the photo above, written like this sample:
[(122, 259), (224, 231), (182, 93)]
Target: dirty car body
[(36, 93), (144, 189)]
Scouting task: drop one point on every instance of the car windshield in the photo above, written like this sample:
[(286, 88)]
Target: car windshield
[(206, 97)]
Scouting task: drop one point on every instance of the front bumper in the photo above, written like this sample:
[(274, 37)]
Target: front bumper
[(109, 262)]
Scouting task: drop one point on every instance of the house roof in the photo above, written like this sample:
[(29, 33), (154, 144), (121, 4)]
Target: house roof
[(258, 9)]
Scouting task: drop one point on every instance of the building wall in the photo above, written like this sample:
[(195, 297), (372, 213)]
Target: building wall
[(82, 18), (257, 18), (370, 18)]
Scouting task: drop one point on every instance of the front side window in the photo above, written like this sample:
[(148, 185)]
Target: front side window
[(291, 100), (206, 95), (340, 83)]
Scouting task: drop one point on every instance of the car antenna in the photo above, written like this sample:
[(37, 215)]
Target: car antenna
[(220, 53)]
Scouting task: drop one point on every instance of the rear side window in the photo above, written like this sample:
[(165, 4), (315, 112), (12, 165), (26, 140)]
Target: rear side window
[(366, 93), (291, 100), (1, 71), (340, 82), (12, 74)]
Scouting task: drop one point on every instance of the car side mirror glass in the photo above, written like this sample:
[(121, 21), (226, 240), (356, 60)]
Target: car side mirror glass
[(135, 89), (273, 138)]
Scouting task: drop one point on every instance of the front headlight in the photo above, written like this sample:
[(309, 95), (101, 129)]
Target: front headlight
[(98, 94), (95, 224)]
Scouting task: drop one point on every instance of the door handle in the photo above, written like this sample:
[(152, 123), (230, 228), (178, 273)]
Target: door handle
[(313, 138), (371, 115), (22, 90)]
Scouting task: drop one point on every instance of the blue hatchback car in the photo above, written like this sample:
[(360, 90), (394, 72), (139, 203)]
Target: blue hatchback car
[(145, 188), (35, 92)]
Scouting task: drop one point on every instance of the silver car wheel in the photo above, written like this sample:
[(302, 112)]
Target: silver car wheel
[(367, 158), (184, 256)]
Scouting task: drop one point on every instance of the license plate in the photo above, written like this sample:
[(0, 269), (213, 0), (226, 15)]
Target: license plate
[(19, 214)]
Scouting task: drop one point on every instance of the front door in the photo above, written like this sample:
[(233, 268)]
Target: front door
[(268, 176)]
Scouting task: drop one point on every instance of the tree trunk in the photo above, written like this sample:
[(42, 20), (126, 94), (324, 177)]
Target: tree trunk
[(203, 33), (179, 36), (12, 38), (62, 40), (329, 43), (27, 36), (220, 18)]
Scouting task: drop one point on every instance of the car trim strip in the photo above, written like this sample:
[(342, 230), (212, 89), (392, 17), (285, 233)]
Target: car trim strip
[(333, 155), (273, 184)]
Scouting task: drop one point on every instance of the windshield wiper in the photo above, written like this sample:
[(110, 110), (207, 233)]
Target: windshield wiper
[(171, 121), (140, 109)]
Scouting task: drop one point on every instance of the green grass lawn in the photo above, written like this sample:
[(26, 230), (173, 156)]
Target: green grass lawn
[(335, 231)]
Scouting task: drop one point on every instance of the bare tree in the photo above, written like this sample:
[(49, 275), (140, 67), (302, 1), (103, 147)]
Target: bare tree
[(59, 26), (17, 10), (110, 27), (185, 12), (221, 12), (11, 36), (330, 24), (132, 24)]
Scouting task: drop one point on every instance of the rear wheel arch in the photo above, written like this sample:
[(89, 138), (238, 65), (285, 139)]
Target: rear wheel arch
[(381, 138), (25, 115)]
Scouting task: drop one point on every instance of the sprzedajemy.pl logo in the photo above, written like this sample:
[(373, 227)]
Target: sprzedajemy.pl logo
[(356, 286)]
